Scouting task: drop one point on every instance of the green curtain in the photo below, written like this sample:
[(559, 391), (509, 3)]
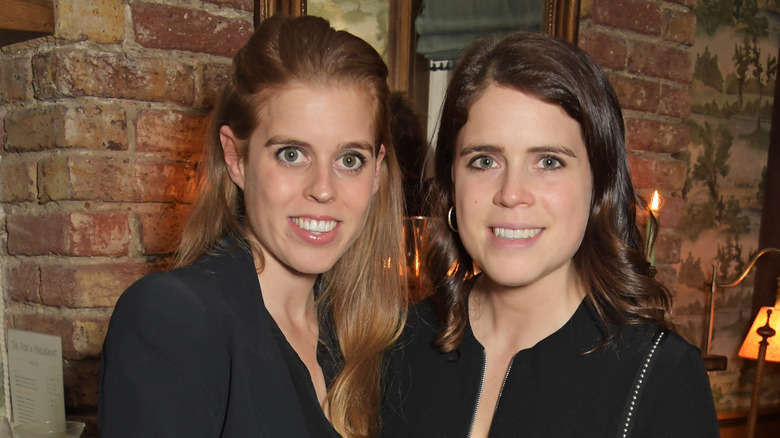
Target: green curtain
[(445, 27)]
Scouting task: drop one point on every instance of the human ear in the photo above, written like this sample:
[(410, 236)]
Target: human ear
[(379, 158), (233, 160)]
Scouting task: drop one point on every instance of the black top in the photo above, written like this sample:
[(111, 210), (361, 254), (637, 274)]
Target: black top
[(553, 389), (194, 353)]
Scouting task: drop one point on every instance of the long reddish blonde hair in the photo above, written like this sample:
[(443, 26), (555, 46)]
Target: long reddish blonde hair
[(364, 293)]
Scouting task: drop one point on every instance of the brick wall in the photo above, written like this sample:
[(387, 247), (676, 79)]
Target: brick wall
[(101, 125), (643, 45)]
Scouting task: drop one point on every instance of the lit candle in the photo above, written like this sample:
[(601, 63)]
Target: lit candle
[(655, 205)]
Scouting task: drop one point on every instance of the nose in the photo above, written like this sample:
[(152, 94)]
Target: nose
[(320, 186), (515, 189)]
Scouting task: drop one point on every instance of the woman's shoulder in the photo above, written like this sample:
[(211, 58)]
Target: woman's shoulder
[(196, 289), (669, 349)]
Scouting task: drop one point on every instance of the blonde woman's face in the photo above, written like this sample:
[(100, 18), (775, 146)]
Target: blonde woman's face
[(523, 186), (309, 175)]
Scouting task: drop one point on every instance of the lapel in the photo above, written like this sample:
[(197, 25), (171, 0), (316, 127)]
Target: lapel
[(274, 400)]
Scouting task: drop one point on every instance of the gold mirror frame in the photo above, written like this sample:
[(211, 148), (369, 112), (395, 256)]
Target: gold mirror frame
[(561, 20)]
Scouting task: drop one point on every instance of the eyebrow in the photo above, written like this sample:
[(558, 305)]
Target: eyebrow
[(554, 149), (478, 148), (279, 140), (490, 148)]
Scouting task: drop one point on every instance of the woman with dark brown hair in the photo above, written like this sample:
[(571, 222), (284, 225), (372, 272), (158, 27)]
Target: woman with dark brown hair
[(288, 287), (545, 319)]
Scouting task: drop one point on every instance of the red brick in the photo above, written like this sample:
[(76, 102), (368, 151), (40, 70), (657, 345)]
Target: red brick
[(161, 231), (636, 94), (671, 211), (167, 27), (24, 131), (689, 3), (82, 382), (654, 60), (15, 78), (82, 333), (608, 50), (22, 282), (3, 238), (655, 136), (664, 173), (3, 147), (246, 5), (680, 27), (636, 15), (54, 179), (74, 234), (17, 180), (675, 102), (179, 133), (215, 76), (97, 21), (89, 126), (76, 73), (89, 285), (116, 179)]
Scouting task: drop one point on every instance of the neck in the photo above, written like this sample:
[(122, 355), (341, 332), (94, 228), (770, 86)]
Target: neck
[(519, 317), (288, 295)]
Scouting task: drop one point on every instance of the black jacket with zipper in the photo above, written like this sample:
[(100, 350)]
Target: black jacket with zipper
[(553, 389)]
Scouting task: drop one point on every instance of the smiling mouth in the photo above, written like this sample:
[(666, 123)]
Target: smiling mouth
[(510, 234), (315, 226)]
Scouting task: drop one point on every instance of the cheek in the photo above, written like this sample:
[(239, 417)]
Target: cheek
[(357, 193)]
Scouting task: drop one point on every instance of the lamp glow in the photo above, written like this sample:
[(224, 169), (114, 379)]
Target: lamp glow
[(750, 346)]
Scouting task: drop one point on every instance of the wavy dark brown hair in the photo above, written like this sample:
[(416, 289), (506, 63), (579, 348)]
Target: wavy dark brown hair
[(610, 261), (364, 293)]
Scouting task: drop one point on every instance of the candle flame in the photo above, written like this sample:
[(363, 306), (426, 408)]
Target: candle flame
[(655, 204)]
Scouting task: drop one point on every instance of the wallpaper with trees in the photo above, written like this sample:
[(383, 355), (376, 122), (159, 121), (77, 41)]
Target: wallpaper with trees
[(736, 64)]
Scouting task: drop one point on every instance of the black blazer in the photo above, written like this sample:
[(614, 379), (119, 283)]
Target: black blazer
[(191, 353)]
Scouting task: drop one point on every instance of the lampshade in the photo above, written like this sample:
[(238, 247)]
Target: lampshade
[(749, 348)]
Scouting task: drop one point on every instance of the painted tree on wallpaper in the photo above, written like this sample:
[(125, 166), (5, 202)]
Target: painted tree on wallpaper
[(736, 65)]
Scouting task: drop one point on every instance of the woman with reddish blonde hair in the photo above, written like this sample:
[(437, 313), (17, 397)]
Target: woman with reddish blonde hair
[(288, 288)]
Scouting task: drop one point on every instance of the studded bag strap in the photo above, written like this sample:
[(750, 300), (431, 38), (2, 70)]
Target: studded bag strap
[(635, 394)]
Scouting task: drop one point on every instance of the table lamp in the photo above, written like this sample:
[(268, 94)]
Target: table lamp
[(756, 345)]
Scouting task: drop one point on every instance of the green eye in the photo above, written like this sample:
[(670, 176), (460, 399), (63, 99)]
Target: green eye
[(550, 162), (483, 162), (351, 161), (289, 155)]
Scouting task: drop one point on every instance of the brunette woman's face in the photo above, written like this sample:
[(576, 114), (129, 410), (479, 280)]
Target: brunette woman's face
[(308, 175), (522, 188)]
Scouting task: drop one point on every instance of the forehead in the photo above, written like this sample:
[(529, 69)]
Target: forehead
[(268, 99), (506, 117), (316, 117)]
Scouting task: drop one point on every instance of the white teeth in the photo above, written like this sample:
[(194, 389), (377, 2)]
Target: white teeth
[(508, 233), (315, 226)]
